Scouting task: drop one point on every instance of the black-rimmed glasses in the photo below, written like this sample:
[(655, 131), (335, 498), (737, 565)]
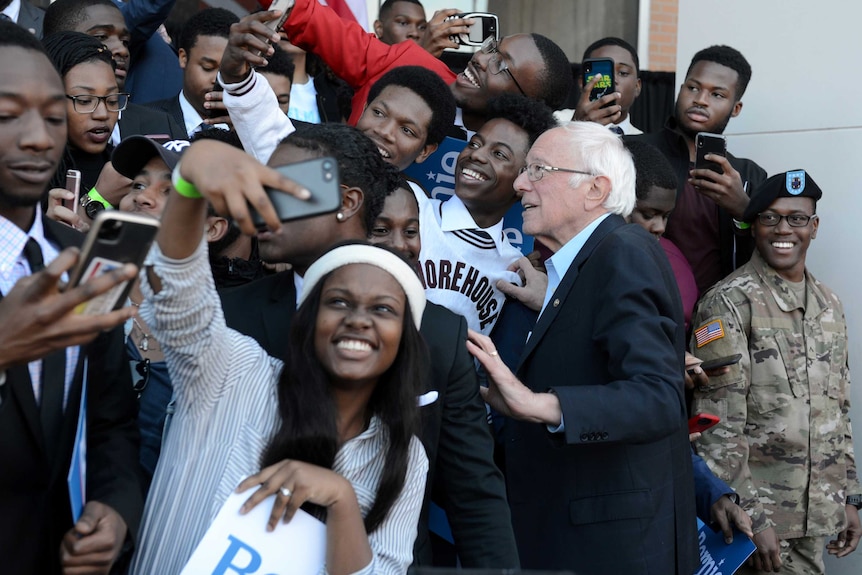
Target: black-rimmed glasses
[(496, 64), (535, 171), (86, 104), (793, 220)]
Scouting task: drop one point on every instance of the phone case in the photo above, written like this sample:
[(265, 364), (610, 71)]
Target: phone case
[(73, 184), (706, 143), (284, 6), (320, 177), (116, 238), (605, 67), (486, 25), (701, 422)]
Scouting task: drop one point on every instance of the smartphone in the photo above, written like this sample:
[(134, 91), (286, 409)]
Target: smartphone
[(114, 239), (73, 184), (721, 362), (706, 143), (701, 422), (284, 6), (213, 112), (485, 25), (604, 66), (320, 177)]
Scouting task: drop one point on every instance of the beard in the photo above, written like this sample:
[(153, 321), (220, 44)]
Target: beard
[(718, 128)]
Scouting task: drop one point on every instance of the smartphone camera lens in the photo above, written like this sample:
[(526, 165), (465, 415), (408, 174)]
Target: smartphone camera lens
[(111, 229)]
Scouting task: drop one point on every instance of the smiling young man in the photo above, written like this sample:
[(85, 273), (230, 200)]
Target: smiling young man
[(529, 64), (464, 250), (707, 202), (800, 482)]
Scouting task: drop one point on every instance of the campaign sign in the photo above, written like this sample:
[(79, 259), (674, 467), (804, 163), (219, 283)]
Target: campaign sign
[(240, 544), (76, 479), (436, 175), (716, 556)]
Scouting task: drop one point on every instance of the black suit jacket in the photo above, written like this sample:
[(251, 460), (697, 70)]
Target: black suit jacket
[(462, 477), (613, 493), (143, 121), (31, 17), (172, 107), (34, 497)]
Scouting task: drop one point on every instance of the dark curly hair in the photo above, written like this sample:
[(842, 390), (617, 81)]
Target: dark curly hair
[(207, 22), (556, 79), (68, 14), (308, 430), (730, 58), (652, 168), (428, 86), (279, 63), (531, 115), (359, 162)]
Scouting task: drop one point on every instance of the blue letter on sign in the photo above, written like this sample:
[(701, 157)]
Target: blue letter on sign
[(226, 564)]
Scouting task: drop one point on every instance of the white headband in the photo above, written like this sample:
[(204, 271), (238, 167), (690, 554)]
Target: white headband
[(367, 254)]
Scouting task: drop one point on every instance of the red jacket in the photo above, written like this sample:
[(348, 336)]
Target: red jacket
[(358, 57)]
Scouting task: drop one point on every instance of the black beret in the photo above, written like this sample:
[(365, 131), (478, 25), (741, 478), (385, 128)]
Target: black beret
[(793, 184)]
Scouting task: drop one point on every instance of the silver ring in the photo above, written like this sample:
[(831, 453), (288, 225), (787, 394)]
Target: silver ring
[(285, 491), (493, 353)]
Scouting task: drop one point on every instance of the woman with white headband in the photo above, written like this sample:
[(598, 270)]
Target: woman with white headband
[(332, 427)]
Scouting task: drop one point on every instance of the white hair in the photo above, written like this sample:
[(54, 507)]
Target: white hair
[(603, 153)]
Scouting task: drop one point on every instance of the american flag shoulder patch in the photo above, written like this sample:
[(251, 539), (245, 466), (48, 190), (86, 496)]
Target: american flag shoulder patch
[(709, 332)]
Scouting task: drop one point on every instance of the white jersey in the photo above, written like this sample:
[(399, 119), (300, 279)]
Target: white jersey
[(460, 263)]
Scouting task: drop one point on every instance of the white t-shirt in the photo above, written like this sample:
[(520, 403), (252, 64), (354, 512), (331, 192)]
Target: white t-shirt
[(303, 103)]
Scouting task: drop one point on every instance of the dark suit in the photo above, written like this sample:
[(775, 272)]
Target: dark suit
[(613, 493), (31, 18), (462, 477), (143, 121), (34, 497), (172, 107)]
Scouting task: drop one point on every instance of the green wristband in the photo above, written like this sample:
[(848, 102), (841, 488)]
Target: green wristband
[(97, 197), (183, 187), (741, 225)]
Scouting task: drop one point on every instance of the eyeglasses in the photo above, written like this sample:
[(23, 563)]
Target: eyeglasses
[(793, 220), (496, 64), (143, 370), (536, 171), (87, 104)]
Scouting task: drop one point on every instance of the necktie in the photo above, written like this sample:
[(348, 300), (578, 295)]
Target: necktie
[(53, 370), (616, 130)]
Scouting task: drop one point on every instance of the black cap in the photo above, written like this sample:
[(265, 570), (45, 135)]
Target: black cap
[(793, 184), (133, 153)]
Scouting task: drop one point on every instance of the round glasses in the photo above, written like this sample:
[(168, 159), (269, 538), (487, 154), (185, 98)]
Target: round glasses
[(793, 220), (496, 64), (535, 171), (87, 103)]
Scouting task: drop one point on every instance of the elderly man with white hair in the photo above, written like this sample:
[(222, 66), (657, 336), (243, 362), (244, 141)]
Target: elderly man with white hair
[(598, 464)]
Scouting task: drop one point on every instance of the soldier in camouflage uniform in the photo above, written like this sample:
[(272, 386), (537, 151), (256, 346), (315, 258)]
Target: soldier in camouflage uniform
[(784, 442)]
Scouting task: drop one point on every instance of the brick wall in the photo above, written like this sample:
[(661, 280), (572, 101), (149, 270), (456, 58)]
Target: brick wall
[(662, 30)]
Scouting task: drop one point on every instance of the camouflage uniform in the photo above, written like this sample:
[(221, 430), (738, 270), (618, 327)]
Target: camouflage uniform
[(784, 442)]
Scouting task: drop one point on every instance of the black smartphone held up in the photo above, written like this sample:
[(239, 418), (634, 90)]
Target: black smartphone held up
[(706, 143), (721, 362), (701, 422), (213, 112), (73, 184), (485, 25), (285, 7), (604, 66), (320, 177), (115, 238)]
